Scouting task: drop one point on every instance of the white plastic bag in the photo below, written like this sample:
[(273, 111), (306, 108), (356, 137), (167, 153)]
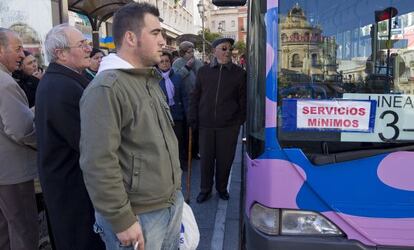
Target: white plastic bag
[(189, 236)]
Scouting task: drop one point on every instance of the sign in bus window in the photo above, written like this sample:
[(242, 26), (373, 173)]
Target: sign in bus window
[(329, 115)]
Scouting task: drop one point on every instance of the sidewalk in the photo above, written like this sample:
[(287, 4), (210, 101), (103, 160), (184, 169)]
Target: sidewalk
[(218, 220)]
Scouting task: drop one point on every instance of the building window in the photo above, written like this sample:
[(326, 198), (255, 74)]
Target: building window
[(284, 37), (296, 62), (233, 23), (314, 59), (213, 25)]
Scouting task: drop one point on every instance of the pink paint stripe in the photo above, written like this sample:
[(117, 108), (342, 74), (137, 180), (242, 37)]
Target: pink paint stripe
[(375, 231), (270, 57), (273, 183), (271, 113), (396, 170), (272, 4)]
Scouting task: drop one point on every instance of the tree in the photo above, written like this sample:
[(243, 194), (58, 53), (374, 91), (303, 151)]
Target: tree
[(210, 37), (240, 46)]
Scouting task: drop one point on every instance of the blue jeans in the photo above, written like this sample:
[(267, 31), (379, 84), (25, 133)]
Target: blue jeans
[(161, 228)]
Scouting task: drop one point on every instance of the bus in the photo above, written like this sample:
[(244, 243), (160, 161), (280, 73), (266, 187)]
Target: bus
[(329, 171)]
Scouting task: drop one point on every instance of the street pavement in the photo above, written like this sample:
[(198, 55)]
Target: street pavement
[(218, 220)]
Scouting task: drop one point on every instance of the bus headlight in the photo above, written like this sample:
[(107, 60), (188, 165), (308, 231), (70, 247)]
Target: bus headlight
[(265, 219), (296, 222), (275, 221)]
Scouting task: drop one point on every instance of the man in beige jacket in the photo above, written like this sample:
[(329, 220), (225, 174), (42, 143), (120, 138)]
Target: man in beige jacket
[(18, 213)]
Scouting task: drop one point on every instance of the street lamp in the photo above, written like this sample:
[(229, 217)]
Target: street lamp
[(201, 10)]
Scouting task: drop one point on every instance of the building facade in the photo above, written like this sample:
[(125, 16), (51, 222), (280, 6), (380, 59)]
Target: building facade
[(304, 50), (228, 21)]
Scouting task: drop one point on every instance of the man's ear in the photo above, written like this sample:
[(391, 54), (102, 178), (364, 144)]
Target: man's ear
[(130, 38), (61, 54)]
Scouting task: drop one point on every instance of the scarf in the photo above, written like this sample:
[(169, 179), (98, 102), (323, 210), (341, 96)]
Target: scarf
[(169, 86)]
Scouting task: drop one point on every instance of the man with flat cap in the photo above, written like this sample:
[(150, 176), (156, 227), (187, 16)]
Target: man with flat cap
[(218, 108)]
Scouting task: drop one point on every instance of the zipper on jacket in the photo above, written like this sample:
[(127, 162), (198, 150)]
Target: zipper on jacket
[(217, 93), (160, 125)]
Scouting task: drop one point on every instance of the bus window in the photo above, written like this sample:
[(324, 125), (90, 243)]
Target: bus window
[(256, 81), (346, 50)]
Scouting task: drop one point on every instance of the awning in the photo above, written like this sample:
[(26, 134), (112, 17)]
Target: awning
[(97, 9)]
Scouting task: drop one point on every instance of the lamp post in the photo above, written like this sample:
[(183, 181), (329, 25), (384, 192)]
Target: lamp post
[(201, 10)]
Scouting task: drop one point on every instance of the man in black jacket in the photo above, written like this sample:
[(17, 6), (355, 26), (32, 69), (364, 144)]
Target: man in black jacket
[(218, 107), (71, 213)]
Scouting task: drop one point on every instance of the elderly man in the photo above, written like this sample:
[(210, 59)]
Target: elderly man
[(70, 210), (218, 107), (18, 213)]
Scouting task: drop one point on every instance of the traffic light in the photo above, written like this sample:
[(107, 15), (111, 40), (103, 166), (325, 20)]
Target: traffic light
[(388, 13)]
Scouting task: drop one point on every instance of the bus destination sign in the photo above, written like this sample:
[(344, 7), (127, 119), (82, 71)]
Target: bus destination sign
[(394, 118)]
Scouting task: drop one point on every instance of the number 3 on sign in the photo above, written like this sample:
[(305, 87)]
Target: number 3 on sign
[(391, 124)]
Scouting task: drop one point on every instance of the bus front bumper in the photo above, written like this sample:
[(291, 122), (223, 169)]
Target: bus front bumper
[(258, 240)]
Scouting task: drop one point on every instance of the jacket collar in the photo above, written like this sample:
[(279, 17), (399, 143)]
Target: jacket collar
[(215, 63), (55, 68), (3, 68), (145, 72)]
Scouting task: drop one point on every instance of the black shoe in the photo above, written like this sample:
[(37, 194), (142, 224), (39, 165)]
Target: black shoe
[(224, 195), (202, 197)]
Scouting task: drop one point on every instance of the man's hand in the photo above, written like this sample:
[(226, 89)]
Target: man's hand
[(132, 235), (38, 74)]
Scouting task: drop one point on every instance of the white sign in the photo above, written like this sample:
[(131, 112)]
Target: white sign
[(344, 115), (394, 118)]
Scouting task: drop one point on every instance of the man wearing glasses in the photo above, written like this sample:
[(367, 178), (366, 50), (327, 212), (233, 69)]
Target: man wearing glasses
[(218, 108), (71, 214)]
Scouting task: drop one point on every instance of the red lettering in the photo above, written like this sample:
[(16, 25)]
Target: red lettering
[(324, 122), (337, 123), (312, 122), (329, 110), (355, 123), (347, 123), (361, 111), (313, 111), (321, 110), (305, 110), (341, 111), (353, 111)]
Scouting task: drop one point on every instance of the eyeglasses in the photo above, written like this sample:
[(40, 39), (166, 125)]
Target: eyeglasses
[(225, 49), (82, 45)]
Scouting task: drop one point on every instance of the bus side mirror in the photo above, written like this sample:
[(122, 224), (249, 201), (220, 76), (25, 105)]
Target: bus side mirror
[(229, 2)]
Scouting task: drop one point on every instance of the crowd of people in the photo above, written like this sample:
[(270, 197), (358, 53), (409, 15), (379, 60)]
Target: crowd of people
[(107, 135)]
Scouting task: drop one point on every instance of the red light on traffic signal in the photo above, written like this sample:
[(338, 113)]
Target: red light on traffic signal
[(385, 14)]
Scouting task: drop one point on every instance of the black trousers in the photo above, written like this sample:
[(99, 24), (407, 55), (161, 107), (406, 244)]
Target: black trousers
[(217, 150), (180, 133)]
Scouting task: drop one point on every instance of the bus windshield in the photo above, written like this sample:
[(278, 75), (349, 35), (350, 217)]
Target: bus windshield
[(345, 75)]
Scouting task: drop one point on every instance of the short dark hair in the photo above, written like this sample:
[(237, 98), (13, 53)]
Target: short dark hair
[(130, 17), (165, 53), (95, 51), (26, 53)]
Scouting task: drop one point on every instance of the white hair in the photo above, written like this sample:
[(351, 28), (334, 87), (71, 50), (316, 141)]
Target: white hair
[(56, 38)]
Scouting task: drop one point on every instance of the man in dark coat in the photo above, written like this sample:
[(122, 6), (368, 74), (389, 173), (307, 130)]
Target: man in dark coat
[(218, 107), (70, 210)]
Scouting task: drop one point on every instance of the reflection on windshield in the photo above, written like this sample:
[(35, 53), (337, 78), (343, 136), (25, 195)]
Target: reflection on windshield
[(353, 50), (348, 49)]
